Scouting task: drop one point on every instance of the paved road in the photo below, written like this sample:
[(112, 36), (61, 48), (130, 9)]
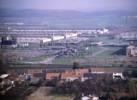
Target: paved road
[(40, 94), (98, 52), (46, 61)]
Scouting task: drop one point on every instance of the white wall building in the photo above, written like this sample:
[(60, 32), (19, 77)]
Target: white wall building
[(57, 38), (131, 51), (32, 40), (71, 35), (128, 35), (118, 75)]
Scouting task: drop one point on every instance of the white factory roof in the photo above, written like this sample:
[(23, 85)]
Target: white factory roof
[(131, 47)]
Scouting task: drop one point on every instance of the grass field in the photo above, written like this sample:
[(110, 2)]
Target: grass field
[(69, 59), (43, 93), (60, 97), (109, 52), (38, 58), (87, 57), (105, 55)]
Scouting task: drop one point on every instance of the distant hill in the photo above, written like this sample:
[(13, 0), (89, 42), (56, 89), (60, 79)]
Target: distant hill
[(59, 13), (67, 19)]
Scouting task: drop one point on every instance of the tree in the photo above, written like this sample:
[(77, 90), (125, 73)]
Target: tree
[(75, 65), (2, 70), (89, 70)]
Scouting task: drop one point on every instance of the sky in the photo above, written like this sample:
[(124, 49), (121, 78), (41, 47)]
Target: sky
[(78, 5)]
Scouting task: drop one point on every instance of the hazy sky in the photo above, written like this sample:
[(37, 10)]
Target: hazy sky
[(80, 5)]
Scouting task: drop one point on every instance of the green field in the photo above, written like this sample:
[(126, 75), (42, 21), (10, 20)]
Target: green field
[(87, 57), (60, 97), (39, 58), (109, 52), (69, 59)]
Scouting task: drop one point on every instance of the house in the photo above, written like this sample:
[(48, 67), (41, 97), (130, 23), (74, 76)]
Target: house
[(5, 83), (87, 76), (95, 98), (85, 98), (52, 75), (3, 76), (101, 70), (90, 97), (118, 76), (84, 74), (71, 75)]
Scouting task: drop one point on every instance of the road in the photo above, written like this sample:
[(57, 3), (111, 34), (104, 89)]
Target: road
[(98, 52), (46, 61), (43, 93), (40, 94)]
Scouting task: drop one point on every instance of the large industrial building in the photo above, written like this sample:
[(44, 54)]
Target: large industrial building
[(132, 51), (26, 37)]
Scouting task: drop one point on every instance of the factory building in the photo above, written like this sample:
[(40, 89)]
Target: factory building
[(7, 41), (32, 40), (128, 35), (132, 51), (51, 37)]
